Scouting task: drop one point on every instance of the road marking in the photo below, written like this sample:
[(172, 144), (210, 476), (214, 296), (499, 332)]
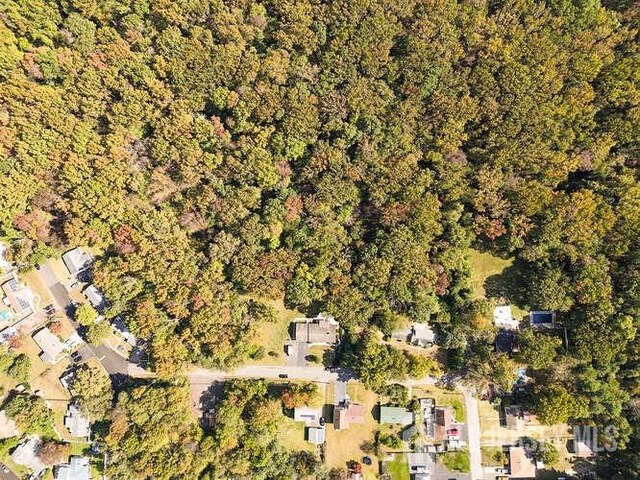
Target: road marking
[(101, 358)]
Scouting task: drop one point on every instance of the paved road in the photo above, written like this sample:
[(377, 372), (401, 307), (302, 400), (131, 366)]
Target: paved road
[(312, 374), (473, 430)]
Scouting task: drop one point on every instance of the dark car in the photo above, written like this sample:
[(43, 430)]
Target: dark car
[(283, 375)]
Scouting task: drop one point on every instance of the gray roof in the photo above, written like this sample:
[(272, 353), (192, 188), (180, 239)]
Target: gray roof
[(316, 435), (77, 260), (77, 424), (316, 330), (26, 454), (76, 469), (94, 296)]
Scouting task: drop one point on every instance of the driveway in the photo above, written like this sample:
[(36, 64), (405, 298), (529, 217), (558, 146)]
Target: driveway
[(112, 361), (8, 475), (473, 431)]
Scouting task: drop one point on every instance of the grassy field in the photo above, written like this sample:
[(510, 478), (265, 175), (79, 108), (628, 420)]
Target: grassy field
[(346, 445), (272, 336), (490, 456), (495, 277), (444, 397), (456, 461), (399, 468), (291, 435)]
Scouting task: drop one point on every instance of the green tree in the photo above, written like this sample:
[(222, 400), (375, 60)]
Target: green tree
[(537, 350), (86, 315), (91, 387)]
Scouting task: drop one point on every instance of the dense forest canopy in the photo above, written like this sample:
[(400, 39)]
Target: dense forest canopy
[(341, 155)]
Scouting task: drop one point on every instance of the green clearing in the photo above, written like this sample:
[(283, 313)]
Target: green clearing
[(495, 277), (272, 336), (291, 435), (399, 468), (456, 461)]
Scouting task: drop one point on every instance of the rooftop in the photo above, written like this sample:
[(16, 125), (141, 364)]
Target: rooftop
[(307, 414), (323, 330), (26, 454), (77, 260), (316, 435), (77, 424), (50, 345), (503, 318), (399, 415), (77, 469), (422, 334), (344, 415)]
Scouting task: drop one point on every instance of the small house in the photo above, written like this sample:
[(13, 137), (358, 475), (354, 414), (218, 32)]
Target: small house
[(16, 296), (396, 415), (78, 468), (503, 318), (77, 424), (309, 415), (422, 335), (26, 454), (95, 297), (322, 330), (51, 346), (347, 413), (77, 261), (443, 422)]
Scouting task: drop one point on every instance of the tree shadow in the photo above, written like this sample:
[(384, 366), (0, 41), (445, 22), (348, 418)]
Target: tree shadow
[(510, 284)]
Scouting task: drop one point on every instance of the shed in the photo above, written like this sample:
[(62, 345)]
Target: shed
[(396, 415), (316, 435)]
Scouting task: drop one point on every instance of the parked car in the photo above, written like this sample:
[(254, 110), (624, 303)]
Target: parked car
[(283, 375)]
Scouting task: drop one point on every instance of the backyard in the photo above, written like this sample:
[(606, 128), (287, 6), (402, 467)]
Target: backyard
[(398, 468)]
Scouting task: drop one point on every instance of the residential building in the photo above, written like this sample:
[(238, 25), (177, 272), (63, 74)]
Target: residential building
[(428, 408), (443, 422), (503, 318), (316, 435), (51, 346), (77, 424), (322, 330), (121, 329), (422, 335), (347, 413), (309, 415), (16, 296), (77, 261), (521, 465), (95, 297), (396, 415), (78, 468), (26, 454)]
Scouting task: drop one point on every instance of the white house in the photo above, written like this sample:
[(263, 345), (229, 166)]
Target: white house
[(503, 318)]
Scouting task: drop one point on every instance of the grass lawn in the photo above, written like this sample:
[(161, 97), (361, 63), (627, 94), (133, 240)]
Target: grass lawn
[(291, 435), (456, 461), (272, 336), (492, 456), (444, 397), (495, 277), (346, 445), (399, 468)]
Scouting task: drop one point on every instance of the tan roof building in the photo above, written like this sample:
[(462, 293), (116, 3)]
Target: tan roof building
[(346, 414), (521, 466), (50, 345), (319, 330)]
